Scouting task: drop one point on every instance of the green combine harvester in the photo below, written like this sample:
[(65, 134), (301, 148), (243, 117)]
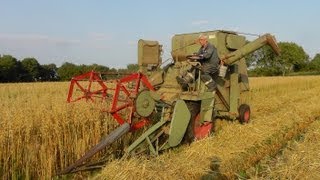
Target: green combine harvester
[(153, 101)]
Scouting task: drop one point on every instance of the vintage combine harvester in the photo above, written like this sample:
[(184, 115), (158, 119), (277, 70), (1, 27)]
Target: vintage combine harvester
[(153, 99)]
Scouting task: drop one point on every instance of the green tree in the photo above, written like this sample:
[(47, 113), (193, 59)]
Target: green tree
[(292, 59), (314, 65), (48, 72), (32, 69), (98, 68), (9, 69), (263, 62), (68, 70), (132, 68), (93, 67)]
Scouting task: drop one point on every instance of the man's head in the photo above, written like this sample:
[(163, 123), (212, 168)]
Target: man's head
[(203, 39)]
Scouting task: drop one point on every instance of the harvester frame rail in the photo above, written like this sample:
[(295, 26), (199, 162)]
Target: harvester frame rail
[(106, 141)]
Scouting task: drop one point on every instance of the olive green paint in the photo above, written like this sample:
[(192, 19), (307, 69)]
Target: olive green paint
[(228, 96), (179, 123)]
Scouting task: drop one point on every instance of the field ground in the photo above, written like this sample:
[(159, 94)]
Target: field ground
[(299, 160), (40, 134)]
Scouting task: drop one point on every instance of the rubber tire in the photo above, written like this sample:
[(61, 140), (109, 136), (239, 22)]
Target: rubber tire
[(194, 108), (244, 113)]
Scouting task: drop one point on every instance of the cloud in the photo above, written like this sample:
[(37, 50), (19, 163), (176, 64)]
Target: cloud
[(35, 40), (22, 36), (132, 43), (200, 22), (99, 36), (46, 49)]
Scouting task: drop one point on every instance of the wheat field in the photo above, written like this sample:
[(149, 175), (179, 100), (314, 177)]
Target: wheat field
[(40, 134)]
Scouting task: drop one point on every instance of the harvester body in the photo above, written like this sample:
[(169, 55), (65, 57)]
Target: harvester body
[(232, 88), (169, 113)]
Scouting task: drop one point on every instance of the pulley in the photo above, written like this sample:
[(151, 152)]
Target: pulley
[(144, 103)]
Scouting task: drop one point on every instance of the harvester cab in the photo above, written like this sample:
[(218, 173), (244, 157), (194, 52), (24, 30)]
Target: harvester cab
[(170, 114)]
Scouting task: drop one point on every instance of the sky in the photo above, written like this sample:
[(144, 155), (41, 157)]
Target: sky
[(106, 32)]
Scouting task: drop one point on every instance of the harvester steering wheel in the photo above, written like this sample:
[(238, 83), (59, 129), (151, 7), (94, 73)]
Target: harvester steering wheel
[(194, 57)]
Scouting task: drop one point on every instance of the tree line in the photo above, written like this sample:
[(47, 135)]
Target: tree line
[(30, 70), (263, 62), (26, 70), (293, 60)]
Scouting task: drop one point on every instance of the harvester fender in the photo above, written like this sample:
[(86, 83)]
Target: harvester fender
[(179, 123), (207, 102)]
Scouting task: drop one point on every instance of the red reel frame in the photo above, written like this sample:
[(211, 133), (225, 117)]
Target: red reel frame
[(122, 106), (88, 94), (137, 79)]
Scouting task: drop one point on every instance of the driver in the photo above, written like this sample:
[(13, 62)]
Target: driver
[(208, 57)]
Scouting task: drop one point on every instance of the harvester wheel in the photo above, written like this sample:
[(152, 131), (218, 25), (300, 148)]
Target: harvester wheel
[(195, 129), (244, 113)]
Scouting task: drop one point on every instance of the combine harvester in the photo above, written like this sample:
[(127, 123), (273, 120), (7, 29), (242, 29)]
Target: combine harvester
[(152, 99)]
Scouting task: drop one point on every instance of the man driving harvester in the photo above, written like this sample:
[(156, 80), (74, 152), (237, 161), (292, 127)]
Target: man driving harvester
[(208, 57)]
